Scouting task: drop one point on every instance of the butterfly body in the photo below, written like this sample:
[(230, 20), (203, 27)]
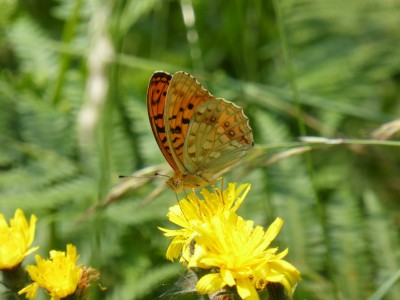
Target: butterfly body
[(199, 135), (188, 180)]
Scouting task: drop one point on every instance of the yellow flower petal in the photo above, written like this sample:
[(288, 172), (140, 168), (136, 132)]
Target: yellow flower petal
[(210, 283), (240, 194), (30, 290), (246, 289), (227, 276), (16, 239)]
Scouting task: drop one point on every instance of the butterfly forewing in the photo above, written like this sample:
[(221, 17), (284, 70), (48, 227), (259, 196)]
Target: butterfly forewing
[(156, 95), (185, 93), (219, 135)]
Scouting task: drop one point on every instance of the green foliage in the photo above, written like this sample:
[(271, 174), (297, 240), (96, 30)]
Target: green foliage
[(73, 117)]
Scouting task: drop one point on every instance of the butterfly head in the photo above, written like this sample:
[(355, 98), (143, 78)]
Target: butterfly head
[(187, 181), (175, 183)]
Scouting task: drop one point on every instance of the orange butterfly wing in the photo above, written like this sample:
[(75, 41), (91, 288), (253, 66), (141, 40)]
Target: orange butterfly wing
[(185, 93), (198, 134), (156, 95)]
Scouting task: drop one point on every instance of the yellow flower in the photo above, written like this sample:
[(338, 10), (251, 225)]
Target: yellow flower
[(16, 239), (234, 252), (238, 254), (59, 275), (194, 211)]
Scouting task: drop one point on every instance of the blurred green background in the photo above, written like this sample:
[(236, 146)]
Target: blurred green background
[(73, 117)]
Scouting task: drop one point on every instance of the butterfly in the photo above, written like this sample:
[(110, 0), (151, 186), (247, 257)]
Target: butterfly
[(198, 134)]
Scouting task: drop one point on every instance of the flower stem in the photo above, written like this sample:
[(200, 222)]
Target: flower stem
[(14, 280)]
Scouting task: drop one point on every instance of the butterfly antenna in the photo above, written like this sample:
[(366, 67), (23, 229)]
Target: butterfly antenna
[(131, 177), (177, 199), (162, 175)]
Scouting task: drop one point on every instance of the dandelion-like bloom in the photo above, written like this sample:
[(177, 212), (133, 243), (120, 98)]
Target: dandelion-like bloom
[(59, 275), (16, 239), (232, 251), (240, 253), (194, 211)]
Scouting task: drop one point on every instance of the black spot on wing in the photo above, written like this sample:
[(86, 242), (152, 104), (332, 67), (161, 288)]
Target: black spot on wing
[(177, 129), (158, 117), (160, 129), (178, 147)]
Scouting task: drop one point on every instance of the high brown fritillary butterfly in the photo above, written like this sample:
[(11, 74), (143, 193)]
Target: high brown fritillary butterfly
[(200, 135)]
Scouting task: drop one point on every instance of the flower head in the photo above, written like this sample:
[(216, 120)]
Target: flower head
[(194, 211), (230, 250), (240, 254), (59, 275), (16, 239)]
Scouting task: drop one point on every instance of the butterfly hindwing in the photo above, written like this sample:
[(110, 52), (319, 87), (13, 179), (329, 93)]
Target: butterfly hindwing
[(219, 135)]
